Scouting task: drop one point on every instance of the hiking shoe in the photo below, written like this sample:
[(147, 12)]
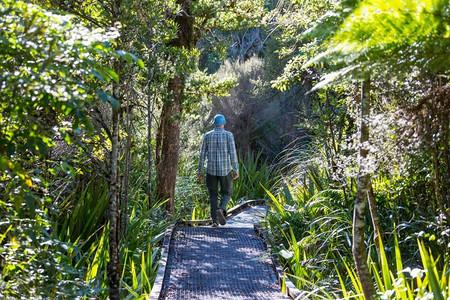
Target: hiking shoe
[(214, 224), (221, 216)]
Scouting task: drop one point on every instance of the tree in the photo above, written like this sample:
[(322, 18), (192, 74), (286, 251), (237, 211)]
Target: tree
[(193, 19), (168, 139), (50, 79), (382, 39), (359, 211), (106, 15)]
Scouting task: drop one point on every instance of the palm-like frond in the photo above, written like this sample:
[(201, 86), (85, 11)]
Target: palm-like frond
[(391, 37)]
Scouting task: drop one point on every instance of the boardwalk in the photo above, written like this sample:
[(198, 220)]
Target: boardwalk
[(228, 262)]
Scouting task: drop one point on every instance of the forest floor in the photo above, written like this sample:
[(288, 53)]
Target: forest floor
[(226, 262)]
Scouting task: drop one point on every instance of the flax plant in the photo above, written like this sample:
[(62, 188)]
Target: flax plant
[(253, 172), (318, 259), (83, 226)]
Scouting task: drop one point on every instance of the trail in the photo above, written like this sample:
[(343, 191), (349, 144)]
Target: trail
[(226, 262)]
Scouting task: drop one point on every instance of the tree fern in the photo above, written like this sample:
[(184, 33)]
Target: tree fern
[(392, 38)]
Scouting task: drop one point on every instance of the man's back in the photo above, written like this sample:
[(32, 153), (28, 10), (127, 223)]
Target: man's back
[(219, 150)]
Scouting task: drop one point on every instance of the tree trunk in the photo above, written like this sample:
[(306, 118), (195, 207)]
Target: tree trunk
[(359, 248), (378, 231), (149, 130), (113, 264), (166, 170), (124, 210), (168, 137), (113, 267)]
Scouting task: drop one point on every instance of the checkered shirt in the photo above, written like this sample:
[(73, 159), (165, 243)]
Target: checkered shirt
[(219, 150)]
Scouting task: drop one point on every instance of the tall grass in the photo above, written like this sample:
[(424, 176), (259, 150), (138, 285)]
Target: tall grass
[(254, 173), (139, 253), (311, 235), (425, 282), (82, 224), (82, 213)]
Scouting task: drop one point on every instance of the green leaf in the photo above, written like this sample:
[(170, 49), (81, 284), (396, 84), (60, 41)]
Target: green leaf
[(29, 200), (97, 74), (141, 63), (121, 53), (134, 57), (94, 267), (67, 138), (3, 163), (17, 200), (134, 276), (432, 274), (113, 74), (108, 98), (130, 57)]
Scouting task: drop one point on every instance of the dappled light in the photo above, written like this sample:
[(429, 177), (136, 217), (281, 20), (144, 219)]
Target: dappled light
[(336, 135)]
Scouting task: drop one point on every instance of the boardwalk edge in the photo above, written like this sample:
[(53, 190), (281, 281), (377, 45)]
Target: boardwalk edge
[(155, 294), (291, 290)]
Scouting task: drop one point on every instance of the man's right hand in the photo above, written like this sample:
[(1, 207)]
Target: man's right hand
[(201, 177)]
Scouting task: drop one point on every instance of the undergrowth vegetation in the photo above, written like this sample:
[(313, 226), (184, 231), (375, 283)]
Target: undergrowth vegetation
[(339, 109), (310, 224)]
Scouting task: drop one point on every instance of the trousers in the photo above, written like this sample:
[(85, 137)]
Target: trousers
[(226, 191)]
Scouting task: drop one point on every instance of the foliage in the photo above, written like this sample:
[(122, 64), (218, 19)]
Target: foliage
[(261, 119), (56, 76), (254, 175), (226, 16), (82, 213), (298, 28), (48, 71), (386, 38), (311, 232), (139, 254), (51, 79), (404, 283)]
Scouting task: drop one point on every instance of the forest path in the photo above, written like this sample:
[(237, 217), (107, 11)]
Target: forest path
[(226, 262)]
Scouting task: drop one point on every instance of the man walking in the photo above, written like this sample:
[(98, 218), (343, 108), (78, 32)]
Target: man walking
[(219, 150)]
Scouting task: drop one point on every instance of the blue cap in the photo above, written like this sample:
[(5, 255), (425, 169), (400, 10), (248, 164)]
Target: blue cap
[(219, 120)]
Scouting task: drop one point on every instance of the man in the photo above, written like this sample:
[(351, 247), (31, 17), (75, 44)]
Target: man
[(219, 150)]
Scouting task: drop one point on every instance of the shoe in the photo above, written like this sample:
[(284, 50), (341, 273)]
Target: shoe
[(214, 224), (221, 216)]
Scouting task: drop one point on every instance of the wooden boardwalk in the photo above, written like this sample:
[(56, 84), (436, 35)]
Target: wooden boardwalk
[(226, 262)]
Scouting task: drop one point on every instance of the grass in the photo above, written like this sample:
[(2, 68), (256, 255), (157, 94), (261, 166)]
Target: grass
[(82, 212), (311, 235), (254, 173), (82, 224)]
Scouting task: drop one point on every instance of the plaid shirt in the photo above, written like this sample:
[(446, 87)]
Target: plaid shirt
[(219, 149)]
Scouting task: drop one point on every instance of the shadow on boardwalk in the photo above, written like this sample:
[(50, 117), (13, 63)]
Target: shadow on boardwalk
[(227, 262)]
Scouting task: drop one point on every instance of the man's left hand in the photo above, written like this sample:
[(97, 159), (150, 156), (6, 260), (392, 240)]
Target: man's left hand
[(235, 176)]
